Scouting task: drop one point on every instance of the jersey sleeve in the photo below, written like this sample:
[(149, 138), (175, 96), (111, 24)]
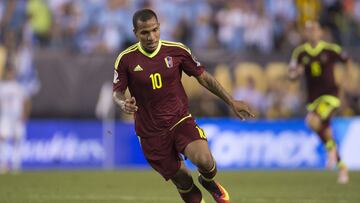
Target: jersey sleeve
[(295, 56), (341, 55), (120, 81), (190, 65)]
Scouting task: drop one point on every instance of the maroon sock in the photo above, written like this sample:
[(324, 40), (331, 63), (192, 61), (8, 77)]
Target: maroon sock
[(192, 195), (338, 156), (321, 132), (208, 175), (324, 139)]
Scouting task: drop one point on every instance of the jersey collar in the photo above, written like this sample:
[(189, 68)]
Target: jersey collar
[(150, 55), (316, 50)]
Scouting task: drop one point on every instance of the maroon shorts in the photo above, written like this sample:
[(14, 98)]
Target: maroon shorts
[(163, 152)]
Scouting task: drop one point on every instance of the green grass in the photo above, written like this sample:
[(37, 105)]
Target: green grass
[(149, 187)]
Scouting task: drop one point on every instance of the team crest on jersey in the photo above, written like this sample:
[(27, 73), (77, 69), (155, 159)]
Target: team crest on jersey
[(169, 62), (305, 60)]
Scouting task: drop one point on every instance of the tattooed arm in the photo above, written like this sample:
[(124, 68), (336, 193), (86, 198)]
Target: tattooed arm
[(240, 108)]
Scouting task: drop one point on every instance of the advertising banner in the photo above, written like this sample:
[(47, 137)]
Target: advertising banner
[(281, 144), (63, 144), (263, 144)]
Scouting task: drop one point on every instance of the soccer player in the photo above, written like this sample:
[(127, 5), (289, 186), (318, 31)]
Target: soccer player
[(13, 114), (151, 69), (316, 59)]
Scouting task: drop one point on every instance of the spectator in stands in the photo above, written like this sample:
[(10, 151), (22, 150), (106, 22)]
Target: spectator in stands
[(307, 10), (69, 22), (13, 115), (116, 32), (26, 73), (40, 20), (275, 102), (203, 35), (251, 95), (258, 33), (232, 20), (281, 13)]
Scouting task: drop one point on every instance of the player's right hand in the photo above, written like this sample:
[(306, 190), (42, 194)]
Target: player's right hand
[(295, 71), (242, 110), (130, 106)]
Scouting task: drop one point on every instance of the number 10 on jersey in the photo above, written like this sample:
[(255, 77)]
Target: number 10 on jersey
[(156, 81)]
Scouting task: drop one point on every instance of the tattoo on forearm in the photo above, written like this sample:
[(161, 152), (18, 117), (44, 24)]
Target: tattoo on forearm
[(215, 87)]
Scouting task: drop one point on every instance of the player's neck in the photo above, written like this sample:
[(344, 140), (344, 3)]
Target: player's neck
[(313, 44), (146, 50)]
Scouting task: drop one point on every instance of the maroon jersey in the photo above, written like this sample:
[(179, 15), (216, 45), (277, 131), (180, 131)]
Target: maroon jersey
[(155, 82), (319, 65)]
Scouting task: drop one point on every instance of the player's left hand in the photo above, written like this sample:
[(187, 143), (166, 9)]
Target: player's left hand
[(242, 110)]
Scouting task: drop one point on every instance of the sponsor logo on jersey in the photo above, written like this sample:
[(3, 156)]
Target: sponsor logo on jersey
[(305, 60), (138, 68), (169, 62)]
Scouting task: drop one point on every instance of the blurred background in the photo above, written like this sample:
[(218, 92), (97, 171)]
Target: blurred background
[(64, 51)]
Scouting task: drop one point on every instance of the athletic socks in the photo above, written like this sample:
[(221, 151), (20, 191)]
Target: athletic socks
[(211, 185), (206, 179), (208, 175), (341, 165), (191, 195), (217, 191), (322, 132), (331, 147), (330, 144)]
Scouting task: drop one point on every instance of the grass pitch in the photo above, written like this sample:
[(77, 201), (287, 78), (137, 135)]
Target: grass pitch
[(148, 187)]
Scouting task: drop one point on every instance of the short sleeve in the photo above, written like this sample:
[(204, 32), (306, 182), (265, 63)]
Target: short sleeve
[(191, 66), (295, 56), (338, 53), (120, 81), (342, 56)]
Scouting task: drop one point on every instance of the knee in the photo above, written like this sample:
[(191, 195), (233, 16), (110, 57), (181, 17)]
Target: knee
[(313, 121), (204, 161)]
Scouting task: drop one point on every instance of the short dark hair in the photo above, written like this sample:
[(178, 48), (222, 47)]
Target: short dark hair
[(143, 15)]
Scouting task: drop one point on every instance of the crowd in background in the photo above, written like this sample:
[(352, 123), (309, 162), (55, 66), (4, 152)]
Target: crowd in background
[(105, 26)]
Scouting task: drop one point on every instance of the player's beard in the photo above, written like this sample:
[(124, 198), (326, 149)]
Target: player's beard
[(152, 46)]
